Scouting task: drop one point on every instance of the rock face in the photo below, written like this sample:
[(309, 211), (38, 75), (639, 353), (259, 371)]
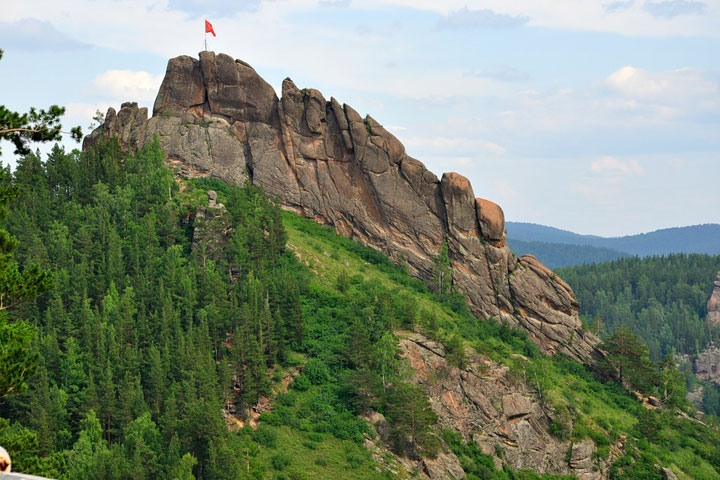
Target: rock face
[(503, 416), (216, 116), (707, 364), (713, 305)]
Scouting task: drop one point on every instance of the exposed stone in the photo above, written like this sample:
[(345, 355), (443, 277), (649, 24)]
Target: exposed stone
[(707, 364), (668, 474), (491, 219), (696, 397), (486, 405), (581, 461), (445, 466), (216, 116)]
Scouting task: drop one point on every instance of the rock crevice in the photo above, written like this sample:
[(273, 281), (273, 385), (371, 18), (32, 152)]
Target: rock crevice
[(325, 162)]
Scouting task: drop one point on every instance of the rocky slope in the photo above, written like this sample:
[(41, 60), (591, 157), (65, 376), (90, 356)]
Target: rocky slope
[(486, 405), (216, 116)]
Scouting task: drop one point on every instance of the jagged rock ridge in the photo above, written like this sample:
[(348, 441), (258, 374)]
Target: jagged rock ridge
[(216, 116)]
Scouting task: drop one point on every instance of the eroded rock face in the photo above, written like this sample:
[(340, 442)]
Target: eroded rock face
[(502, 415), (707, 365), (216, 116)]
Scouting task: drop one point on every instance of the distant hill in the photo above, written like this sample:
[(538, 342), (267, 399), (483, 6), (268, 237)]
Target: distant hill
[(557, 247), (555, 255)]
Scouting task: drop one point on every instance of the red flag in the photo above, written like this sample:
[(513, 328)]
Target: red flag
[(209, 28)]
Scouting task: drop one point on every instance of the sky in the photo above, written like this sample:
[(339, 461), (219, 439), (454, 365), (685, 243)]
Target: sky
[(599, 117)]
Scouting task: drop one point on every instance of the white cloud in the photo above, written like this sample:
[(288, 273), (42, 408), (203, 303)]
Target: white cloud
[(664, 18), (670, 85), (129, 85), (617, 166), (459, 143), (35, 35), (464, 19), (673, 8)]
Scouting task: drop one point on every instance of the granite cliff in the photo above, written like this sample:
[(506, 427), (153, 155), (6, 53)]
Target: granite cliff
[(707, 362), (216, 116)]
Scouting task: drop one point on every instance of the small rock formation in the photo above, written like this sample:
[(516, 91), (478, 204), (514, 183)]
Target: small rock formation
[(668, 474), (707, 364), (501, 415), (216, 116), (713, 305)]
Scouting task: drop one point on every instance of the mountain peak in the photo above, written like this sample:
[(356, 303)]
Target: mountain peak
[(217, 117)]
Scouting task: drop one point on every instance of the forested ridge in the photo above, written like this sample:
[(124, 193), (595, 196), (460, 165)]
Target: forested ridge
[(555, 255), (661, 299), (691, 239), (168, 319)]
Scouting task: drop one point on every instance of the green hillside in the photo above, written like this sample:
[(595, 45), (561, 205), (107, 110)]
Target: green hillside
[(169, 321)]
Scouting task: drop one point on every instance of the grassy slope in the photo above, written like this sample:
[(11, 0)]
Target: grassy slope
[(602, 412)]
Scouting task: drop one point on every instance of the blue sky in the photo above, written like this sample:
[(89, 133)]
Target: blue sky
[(600, 117)]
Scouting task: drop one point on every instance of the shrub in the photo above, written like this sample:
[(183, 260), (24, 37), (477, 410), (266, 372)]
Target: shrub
[(280, 461), (265, 436), (316, 371), (301, 383)]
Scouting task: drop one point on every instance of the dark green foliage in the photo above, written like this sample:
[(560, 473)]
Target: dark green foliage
[(18, 360), (627, 362), (455, 351), (17, 357), (660, 299), (141, 341), (410, 416)]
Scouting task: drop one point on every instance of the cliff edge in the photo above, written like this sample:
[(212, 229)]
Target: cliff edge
[(216, 116)]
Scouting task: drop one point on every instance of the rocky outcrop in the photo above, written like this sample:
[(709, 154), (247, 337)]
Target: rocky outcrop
[(707, 364), (486, 405), (216, 116), (713, 305)]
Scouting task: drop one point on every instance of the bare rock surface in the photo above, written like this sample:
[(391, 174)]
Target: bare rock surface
[(217, 117), (707, 364), (486, 405)]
